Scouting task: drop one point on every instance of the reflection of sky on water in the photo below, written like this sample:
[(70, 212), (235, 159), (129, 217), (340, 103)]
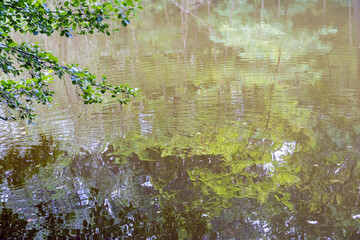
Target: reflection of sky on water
[(145, 121), (4, 192), (147, 182), (286, 149)]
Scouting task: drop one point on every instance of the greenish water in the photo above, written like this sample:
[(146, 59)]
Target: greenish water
[(247, 127)]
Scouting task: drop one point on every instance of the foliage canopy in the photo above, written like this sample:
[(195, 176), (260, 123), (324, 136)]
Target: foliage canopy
[(28, 69)]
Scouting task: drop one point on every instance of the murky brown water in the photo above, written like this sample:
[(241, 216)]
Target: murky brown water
[(247, 127)]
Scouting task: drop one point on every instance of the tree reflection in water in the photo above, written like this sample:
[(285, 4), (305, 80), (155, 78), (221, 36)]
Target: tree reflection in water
[(93, 216), (127, 222), (172, 197), (236, 136)]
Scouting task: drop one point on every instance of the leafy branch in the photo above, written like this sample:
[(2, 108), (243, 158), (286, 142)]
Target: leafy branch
[(18, 60)]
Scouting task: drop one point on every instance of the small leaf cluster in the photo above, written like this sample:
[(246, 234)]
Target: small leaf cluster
[(28, 69)]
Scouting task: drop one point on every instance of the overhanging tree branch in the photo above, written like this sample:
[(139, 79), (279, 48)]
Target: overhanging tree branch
[(74, 16)]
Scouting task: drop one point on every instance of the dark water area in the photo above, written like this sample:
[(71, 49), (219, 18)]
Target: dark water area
[(247, 127)]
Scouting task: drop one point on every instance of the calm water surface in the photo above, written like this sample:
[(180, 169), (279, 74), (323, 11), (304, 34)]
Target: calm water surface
[(247, 127)]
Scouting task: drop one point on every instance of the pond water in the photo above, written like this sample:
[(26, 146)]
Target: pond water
[(247, 127)]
